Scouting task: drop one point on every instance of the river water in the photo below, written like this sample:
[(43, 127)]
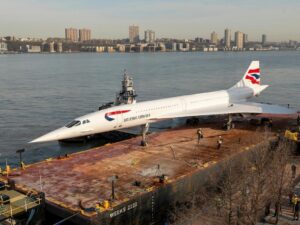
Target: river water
[(41, 92)]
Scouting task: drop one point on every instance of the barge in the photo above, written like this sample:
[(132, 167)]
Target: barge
[(125, 183)]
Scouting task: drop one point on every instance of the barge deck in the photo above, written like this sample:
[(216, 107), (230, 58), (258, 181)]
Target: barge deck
[(75, 184)]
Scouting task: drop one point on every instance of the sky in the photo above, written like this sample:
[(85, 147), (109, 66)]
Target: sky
[(184, 19)]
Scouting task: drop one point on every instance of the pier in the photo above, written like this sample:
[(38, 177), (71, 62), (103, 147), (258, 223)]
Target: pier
[(17, 204)]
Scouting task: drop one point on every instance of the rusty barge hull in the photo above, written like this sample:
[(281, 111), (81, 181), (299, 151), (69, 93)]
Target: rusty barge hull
[(85, 177)]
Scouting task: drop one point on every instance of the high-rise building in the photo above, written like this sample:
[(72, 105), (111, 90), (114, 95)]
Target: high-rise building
[(214, 38), (174, 46), (264, 39), (59, 47), (199, 40), (3, 46), (239, 40), (227, 38), (134, 35), (84, 34), (149, 36), (71, 34), (51, 47), (245, 38)]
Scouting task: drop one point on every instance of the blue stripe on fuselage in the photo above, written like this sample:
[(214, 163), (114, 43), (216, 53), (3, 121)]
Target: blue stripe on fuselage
[(108, 118)]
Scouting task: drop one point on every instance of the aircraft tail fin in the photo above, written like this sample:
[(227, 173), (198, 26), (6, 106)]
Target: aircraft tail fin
[(251, 79)]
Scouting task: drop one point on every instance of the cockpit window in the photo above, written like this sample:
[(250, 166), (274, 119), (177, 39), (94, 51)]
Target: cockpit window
[(73, 123), (85, 121), (77, 124)]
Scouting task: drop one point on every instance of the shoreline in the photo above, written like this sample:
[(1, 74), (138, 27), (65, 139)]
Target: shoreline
[(150, 52)]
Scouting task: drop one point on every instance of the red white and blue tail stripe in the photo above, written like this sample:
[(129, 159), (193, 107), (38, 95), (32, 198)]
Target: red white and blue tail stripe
[(253, 75), (251, 78)]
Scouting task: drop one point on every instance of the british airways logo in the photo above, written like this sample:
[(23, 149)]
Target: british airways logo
[(254, 76), (109, 116)]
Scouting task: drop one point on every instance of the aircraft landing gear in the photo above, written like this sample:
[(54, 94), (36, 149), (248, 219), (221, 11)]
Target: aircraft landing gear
[(145, 129), (229, 124)]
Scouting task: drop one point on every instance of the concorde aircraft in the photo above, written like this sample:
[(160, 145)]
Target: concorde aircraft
[(231, 101)]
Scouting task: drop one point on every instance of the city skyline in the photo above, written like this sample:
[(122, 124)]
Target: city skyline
[(170, 19)]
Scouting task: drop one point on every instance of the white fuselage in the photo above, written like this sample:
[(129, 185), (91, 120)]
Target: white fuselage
[(125, 116), (230, 101)]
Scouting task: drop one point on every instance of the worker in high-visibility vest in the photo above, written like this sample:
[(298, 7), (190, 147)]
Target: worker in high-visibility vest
[(291, 135), (294, 201), (219, 142), (98, 207), (22, 165), (106, 204), (7, 169), (199, 134)]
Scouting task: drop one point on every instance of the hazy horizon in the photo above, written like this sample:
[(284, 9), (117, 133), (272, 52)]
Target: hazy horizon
[(168, 18)]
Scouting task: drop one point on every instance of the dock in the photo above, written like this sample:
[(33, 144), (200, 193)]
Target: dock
[(18, 204), (125, 183)]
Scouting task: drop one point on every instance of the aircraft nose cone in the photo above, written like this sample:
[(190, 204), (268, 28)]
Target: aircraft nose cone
[(43, 138), (52, 136)]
